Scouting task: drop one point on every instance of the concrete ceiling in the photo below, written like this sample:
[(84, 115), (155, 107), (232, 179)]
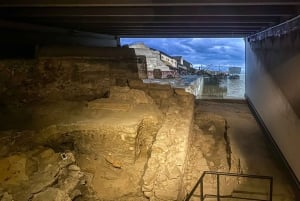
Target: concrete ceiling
[(154, 18)]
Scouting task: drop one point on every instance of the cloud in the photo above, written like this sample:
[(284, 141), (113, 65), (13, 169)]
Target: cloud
[(215, 51)]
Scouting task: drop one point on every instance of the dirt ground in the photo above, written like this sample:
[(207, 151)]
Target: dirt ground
[(124, 147), (250, 151), (91, 151)]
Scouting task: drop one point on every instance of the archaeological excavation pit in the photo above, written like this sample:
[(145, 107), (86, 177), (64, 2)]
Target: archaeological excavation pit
[(73, 138), (109, 143), (84, 119)]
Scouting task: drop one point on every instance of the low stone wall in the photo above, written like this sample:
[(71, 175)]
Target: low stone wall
[(70, 78), (111, 146), (159, 93), (119, 135), (163, 177), (165, 168)]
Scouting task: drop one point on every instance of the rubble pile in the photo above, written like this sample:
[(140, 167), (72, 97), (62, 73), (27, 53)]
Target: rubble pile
[(40, 174)]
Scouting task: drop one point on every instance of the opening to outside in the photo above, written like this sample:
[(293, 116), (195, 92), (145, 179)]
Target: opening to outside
[(210, 68)]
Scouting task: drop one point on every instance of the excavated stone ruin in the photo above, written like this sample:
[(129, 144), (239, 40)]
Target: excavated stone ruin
[(87, 129), (108, 149), (211, 151), (113, 154), (118, 143)]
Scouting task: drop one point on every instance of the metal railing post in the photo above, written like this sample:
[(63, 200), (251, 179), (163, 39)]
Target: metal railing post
[(271, 189), (201, 190), (218, 187), (218, 195)]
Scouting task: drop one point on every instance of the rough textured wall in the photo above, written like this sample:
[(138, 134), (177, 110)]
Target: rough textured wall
[(163, 177), (272, 85), (17, 34), (72, 104), (63, 77), (165, 168), (110, 138)]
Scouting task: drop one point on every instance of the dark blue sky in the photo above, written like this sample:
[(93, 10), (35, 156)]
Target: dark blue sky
[(215, 51)]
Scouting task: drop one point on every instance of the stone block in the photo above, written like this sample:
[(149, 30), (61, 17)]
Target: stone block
[(166, 194), (127, 95), (160, 86), (13, 170), (7, 197), (181, 92), (170, 149), (52, 194), (122, 82), (137, 84), (102, 104), (160, 93), (140, 97)]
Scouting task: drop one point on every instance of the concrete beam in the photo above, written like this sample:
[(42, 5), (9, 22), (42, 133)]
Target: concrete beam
[(292, 25), (23, 33), (112, 20), (37, 12), (129, 3), (118, 17)]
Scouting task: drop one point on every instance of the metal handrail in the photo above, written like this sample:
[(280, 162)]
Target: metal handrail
[(218, 196)]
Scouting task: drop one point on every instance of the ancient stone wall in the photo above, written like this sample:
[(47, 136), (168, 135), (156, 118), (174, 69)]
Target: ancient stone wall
[(63, 78), (111, 142), (118, 140), (165, 168), (119, 129), (163, 176)]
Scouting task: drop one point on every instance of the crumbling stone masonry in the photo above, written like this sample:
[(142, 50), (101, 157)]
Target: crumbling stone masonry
[(165, 168), (117, 129)]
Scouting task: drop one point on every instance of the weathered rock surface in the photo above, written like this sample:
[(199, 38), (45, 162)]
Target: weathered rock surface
[(165, 168), (123, 148), (7, 197), (111, 148), (210, 150), (40, 174), (223, 140), (52, 194), (121, 99)]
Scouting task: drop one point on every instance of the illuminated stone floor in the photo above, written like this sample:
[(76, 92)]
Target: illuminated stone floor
[(220, 125)]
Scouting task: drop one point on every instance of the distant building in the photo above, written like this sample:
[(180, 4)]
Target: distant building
[(179, 60), (155, 66), (168, 60), (189, 66), (181, 68)]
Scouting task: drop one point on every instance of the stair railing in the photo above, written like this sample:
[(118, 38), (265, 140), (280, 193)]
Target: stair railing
[(218, 196)]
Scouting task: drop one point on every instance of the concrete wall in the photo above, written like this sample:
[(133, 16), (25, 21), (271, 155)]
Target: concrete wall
[(273, 86), (31, 34), (20, 40)]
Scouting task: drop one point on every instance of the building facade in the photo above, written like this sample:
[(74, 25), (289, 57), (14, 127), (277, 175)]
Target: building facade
[(156, 68), (182, 70), (189, 66), (168, 60)]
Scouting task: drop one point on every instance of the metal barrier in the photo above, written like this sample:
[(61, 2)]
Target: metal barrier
[(218, 196)]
